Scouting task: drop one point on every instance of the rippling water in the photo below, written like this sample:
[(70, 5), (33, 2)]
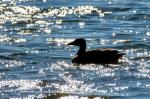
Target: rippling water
[(35, 61)]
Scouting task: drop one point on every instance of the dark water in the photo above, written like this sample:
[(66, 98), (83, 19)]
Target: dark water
[(35, 61)]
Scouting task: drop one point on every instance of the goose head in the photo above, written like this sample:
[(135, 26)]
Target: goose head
[(81, 43)]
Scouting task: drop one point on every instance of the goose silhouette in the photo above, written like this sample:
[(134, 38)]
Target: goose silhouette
[(99, 56)]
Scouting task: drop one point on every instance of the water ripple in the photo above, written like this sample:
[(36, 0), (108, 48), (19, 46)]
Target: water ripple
[(35, 61)]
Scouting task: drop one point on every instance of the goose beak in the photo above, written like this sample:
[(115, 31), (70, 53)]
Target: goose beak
[(72, 43)]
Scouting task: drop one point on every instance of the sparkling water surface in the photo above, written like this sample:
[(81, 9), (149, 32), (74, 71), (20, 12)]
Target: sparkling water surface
[(35, 61)]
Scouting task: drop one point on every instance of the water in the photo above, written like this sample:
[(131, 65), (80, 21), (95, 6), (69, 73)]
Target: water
[(35, 61)]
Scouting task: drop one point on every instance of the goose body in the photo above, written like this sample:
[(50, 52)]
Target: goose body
[(99, 56)]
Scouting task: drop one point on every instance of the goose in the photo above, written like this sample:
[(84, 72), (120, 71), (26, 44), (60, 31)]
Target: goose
[(98, 56)]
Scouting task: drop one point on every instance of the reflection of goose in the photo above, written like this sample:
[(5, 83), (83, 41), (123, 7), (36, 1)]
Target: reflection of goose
[(99, 56)]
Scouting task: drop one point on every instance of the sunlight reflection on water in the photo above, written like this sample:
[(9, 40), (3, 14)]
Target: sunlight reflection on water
[(35, 61)]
